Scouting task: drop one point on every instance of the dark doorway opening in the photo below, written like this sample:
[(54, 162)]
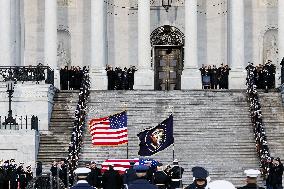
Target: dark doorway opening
[(168, 67)]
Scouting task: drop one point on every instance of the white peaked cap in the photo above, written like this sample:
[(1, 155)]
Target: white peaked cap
[(252, 173), (82, 171), (220, 184)]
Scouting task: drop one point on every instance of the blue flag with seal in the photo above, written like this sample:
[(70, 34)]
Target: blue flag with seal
[(156, 139)]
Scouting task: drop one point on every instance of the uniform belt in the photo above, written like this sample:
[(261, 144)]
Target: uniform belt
[(176, 179), (160, 184)]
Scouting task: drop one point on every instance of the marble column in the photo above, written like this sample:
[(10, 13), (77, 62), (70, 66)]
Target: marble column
[(191, 77), (5, 34), (98, 45), (50, 39), (144, 77), (237, 77), (280, 41)]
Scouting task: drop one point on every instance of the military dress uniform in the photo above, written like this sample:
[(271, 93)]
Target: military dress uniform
[(176, 175), (251, 186), (130, 174), (251, 174), (160, 178), (82, 184), (142, 182), (199, 173)]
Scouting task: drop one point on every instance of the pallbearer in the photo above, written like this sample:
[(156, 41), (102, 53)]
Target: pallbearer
[(200, 177), (81, 175), (251, 179)]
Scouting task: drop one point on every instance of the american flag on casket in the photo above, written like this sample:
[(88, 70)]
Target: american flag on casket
[(122, 164)]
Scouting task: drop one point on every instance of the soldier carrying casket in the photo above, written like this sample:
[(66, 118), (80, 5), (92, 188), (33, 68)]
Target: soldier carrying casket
[(176, 174)]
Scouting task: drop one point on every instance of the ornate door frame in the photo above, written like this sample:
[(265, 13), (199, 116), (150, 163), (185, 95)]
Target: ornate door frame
[(167, 37)]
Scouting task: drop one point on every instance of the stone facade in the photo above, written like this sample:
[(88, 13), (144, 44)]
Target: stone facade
[(21, 145), (74, 31), (29, 100)]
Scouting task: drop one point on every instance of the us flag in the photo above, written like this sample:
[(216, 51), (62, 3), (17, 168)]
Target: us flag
[(109, 131), (118, 164), (122, 164)]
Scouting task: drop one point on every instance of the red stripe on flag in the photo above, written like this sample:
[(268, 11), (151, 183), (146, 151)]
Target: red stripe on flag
[(110, 133), (109, 143), (96, 128), (117, 137), (118, 164), (98, 119)]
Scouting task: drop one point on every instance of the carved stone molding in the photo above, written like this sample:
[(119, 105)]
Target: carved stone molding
[(268, 3), (167, 35), (67, 3)]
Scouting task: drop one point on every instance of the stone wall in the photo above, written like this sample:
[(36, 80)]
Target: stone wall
[(21, 145), (29, 99), (282, 93)]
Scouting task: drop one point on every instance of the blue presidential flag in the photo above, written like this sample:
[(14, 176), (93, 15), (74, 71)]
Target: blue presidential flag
[(156, 139)]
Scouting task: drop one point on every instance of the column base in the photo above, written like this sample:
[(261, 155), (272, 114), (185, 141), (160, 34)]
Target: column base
[(144, 80), (237, 79), (278, 78), (98, 79), (191, 79), (56, 79)]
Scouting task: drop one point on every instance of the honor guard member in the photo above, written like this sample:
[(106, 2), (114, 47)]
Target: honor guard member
[(81, 175), (176, 174), (160, 178), (130, 174), (200, 178), (220, 184), (251, 179), (141, 182)]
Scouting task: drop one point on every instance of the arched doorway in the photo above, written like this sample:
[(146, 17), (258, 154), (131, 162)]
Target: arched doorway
[(167, 43)]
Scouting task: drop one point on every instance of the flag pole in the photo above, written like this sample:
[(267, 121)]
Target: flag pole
[(173, 151), (127, 151)]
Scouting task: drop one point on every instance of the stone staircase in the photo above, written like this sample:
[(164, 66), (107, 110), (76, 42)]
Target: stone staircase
[(273, 118), (54, 144), (211, 129)]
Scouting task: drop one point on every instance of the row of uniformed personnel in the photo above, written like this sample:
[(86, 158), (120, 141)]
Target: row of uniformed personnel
[(13, 176), (200, 175)]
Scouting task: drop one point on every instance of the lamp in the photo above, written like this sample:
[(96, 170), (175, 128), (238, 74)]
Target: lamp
[(166, 4), (10, 90)]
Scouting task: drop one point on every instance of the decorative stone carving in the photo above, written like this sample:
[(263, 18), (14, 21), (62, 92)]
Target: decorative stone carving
[(63, 48), (268, 3), (270, 47), (62, 58), (174, 2), (66, 3), (167, 35)]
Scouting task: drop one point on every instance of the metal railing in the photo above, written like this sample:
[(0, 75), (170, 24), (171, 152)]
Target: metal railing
[(27, 73), (23, 123), (46, 181)]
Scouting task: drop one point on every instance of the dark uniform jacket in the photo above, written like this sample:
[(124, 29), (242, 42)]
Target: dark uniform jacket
[(160, 177), (275, 175), (94, 177), (111, 180), (82, 186), (129, 176), (193, 186), (141, 184), (250, 186)]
